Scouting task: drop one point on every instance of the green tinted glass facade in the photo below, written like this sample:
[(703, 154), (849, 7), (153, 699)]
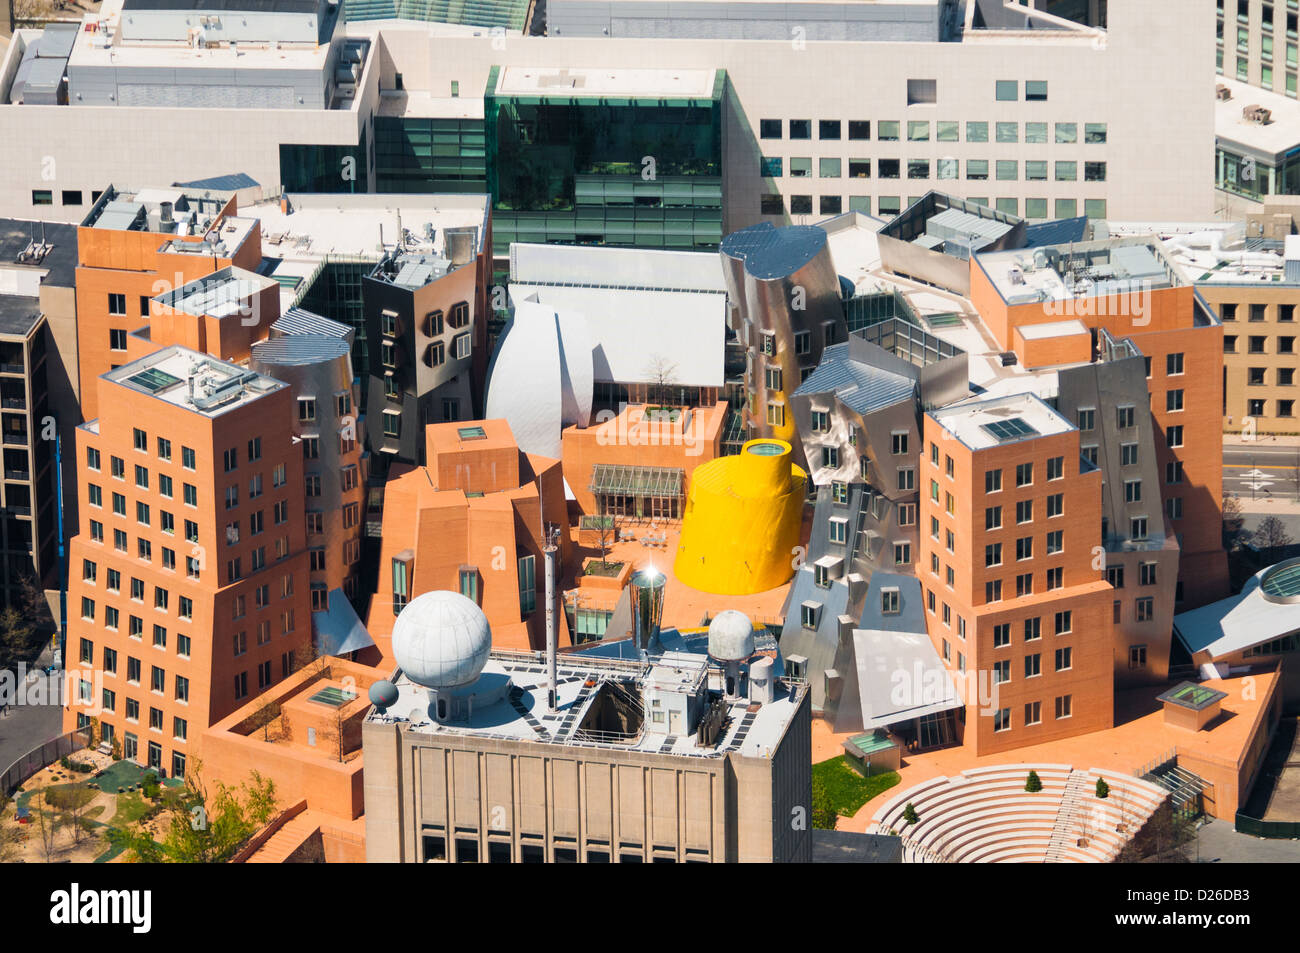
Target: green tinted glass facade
[(605, 170), (319, 168), (430, 155)]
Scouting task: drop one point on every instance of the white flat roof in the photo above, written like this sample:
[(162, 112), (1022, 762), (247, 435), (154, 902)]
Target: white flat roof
[(1278, 136), (415, 104), (218, 386), (630, 329), (89, 51), (1054, 329), (975, 421), (608, 267), (554, 81)]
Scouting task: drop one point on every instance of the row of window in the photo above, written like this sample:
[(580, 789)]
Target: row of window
[(68, 197), (1258, 344), (1258, 407), (774, 203), (131, 744), (1285, 313), (1034, 713), (1035, 133), (977, 170)]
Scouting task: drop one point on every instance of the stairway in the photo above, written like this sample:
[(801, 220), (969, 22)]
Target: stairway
[(281, 845), (1065, 832)]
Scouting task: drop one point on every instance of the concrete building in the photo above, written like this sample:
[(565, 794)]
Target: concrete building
[(184, 618), (38, 399), (654, 755), (396, 105)]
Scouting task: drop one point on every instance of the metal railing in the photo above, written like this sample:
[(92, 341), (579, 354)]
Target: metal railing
[(42, 756)]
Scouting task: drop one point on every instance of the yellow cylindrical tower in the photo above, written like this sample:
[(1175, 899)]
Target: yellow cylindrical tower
[(742, 520)]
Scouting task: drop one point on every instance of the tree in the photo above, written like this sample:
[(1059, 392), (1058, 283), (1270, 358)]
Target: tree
[(604, 528), (910, 815), (335, 734), (71, 802), (1032, 783), (46, 821), (1271, 537), (1163, 839), (203, 827), (1103, 789), (18, 639), (662, 374), (264, 717), (823, 815), (1232, 522)]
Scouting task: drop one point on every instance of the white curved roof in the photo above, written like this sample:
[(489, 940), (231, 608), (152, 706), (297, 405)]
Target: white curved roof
[(441, 640), (541, 377)]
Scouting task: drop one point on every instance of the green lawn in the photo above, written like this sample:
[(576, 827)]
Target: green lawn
[(846, 789)]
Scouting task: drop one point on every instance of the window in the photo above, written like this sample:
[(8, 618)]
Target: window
[(1001, 671), (1035, 90), (1024, 474), (1124, 417), (1024, 511), (993, 517), (1001, 635), (1173, 400), (992, 481), (1064, 659), (1025, 548), (993, 590), (1055, 505), (828, 129), (1145, 606), (1174, 435), (1033, 665), (887, 168), (1063, 705), (887, 130), (800, 128), (889, 604), (1055, 468), (769, 129), (1006, 90), (859, 129), (993, 554), (1007, 132), (1002, 719)]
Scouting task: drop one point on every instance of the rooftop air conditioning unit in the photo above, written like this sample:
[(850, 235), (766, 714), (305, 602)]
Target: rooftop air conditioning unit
[(1222, 93)]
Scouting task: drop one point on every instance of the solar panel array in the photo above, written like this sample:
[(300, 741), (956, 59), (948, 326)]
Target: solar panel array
[(1004, 431)]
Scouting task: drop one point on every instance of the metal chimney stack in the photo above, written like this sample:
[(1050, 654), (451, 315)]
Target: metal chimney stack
[(647, 592), (552, 648)]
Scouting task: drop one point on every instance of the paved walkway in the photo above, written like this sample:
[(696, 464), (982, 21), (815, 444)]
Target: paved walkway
[(1219, 843)]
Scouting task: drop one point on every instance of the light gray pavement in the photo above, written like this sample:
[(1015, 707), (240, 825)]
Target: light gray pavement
[(1220, 843)]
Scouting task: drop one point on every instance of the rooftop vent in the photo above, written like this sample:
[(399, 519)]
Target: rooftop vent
[(1222, 93), (1257, 114)]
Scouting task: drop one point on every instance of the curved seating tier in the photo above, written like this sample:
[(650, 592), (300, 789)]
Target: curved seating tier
[(985, 815)]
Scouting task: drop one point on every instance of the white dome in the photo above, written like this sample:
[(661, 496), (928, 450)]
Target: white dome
[(731, 636), (442, 640)]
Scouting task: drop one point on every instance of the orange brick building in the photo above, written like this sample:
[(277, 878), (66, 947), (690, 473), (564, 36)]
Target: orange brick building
[(1009, 519), (188, 587), (1130, 289), (471, 522), (136, 245), (680, 440)]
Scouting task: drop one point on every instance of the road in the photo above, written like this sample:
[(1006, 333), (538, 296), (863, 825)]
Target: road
[(1259, 473)]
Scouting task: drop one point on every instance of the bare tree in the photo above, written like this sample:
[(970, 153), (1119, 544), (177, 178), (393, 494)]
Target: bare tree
[(71, 803), (1232, 522), (46, 822), (264, 717), (1271, 537), (604, 529), (335, 734), (661, 372)]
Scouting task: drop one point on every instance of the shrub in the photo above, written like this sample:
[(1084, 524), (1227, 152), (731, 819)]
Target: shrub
[(910, 815), (1032, 783), (65, 763), (1103, 789)]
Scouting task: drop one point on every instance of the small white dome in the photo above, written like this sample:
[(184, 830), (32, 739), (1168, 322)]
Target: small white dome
[(731, 636), (442, 640)]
